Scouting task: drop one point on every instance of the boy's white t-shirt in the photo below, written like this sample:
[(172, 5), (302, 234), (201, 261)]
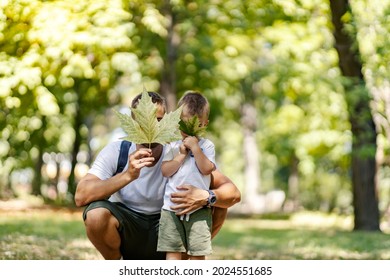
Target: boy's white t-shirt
[(188, 173), (144, 194)]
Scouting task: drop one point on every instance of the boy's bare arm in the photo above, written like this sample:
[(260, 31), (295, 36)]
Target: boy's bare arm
[(170, 167), (204, 165)]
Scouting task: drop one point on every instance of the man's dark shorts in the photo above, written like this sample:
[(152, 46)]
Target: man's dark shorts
[(138, 232)]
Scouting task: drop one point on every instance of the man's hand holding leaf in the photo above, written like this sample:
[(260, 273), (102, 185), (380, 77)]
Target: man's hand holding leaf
[(144, 127)]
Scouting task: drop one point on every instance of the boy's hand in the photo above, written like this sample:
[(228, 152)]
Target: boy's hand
[(183, 150), (191, 143)]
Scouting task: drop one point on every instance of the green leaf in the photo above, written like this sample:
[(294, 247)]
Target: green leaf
[(145, 129), (192, 127)]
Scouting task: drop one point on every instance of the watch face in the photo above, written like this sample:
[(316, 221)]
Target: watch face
[(212, 198)]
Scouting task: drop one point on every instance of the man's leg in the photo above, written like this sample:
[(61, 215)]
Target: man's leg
[(219, 216), (102, 230)]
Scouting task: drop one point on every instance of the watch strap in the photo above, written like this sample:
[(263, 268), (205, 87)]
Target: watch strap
[(211, 199)]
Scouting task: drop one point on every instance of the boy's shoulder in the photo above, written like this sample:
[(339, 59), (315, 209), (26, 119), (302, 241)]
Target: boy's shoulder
[(174, 143), (205, 141)]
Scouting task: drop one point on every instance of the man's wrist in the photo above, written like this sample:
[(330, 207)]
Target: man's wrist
[(212, 199), (127, 177)]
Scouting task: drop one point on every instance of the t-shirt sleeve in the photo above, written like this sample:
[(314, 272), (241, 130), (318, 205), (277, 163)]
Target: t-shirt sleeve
[(168, 152), (106, 161)]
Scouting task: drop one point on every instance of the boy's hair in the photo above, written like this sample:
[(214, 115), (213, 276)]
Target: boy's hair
[(156, 98), (196, 103)]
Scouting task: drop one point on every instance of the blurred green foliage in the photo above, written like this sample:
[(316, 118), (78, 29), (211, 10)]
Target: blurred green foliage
[(66, 64)]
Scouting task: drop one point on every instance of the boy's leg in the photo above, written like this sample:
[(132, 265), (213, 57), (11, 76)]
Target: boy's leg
[(173, 256), (198, 258), (171, 237), (198, 232)]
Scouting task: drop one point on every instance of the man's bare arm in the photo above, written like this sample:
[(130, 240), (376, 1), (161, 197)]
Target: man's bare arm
[(189, 198), (226, 191), (91, 188)]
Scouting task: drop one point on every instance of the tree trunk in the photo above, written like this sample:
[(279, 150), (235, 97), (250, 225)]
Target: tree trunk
[(252, 200), (78, 121), (37, 180), (292, 203), (168, 82), (363, 162)]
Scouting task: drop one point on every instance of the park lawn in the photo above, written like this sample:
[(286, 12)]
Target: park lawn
[(58, 234), (44, 234), (303, 236)]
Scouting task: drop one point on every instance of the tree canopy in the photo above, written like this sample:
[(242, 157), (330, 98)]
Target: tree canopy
[(280, 113)]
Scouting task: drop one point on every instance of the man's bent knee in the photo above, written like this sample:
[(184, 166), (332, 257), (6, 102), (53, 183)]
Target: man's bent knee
[(100, 218), (101, 228)]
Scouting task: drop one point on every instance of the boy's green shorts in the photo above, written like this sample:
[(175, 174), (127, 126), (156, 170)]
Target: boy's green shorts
[(192, 236)]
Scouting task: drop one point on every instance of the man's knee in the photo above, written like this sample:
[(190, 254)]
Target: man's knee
[(99, 218), (101, 228)]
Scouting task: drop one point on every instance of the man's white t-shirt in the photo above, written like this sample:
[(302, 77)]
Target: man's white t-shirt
[(144, 194), (188, 172)]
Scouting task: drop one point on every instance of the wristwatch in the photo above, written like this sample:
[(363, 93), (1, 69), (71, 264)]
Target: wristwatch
[(212, 199)]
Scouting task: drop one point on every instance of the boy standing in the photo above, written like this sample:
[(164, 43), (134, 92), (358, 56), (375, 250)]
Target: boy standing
[(188, 161)]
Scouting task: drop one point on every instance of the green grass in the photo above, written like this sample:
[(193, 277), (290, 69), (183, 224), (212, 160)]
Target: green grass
[(48, 234), (304, 236), (44, 235)]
